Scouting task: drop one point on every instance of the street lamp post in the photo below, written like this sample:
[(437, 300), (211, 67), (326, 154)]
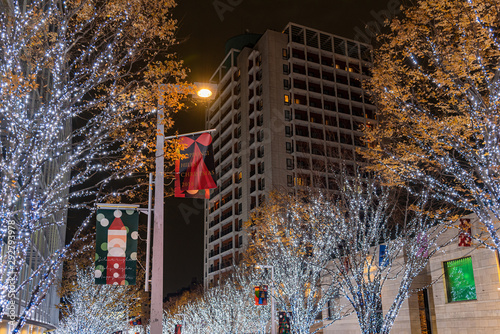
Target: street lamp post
[(273, 311), (156, 324), (156, 321)]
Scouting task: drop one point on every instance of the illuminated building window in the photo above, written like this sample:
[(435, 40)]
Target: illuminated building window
[(459, 280), (287, 99), (284, 53)]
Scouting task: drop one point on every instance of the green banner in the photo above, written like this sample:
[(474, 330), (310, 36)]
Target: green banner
[(116, 246)]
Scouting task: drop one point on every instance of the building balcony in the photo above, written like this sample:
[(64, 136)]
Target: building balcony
[(213, 268), (226, 264), (214, 222), (214, 252), (214, 237), (227, 247), (226, 231)]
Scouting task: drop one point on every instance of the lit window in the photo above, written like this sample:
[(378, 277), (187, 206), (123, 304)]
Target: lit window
[(287, 99), (498, 263), (285, 53), (459, 279)]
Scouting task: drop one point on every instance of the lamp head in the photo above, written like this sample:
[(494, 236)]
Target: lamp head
[(205, 90), (204, 93)]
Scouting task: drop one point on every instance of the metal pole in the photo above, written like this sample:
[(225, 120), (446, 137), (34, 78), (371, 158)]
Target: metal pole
[(273, 311), (148, 236), (190, 134), (156, 323)]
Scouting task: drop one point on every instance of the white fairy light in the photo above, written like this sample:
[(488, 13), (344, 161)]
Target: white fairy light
[(52, 76)]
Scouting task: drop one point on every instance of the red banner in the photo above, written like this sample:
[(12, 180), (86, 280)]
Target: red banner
[(465, 239), (194, 174)]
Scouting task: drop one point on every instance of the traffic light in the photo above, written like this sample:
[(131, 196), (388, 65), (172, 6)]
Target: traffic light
[(261, 295), (178, 329), (284, 322)]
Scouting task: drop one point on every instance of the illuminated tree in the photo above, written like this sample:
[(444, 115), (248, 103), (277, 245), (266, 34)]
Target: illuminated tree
[(80, 81), (95, 309), (295, 236), (379, 240), (436, 82), (226, 308)]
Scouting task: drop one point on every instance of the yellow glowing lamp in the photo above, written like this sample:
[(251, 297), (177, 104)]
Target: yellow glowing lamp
[(205, 90), (204, 93)]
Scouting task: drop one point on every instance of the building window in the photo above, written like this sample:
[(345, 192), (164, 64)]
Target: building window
[(260, 120), (498, 263), (260, 167), (238, 177), (286, 84), (289, 180), (459, 280), (262, 184), (288, 115), (259, 90), (286, 69), (284, 53), (260, 151), (259, 75), (260, 105), (289, 147), (289, 164), (303, 180), (288, 131), (287, 99), (260, 136)]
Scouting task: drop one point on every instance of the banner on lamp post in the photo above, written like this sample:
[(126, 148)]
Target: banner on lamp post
[(116, 246), (284, 322), (195, 173), (465, 237), (261, 295)]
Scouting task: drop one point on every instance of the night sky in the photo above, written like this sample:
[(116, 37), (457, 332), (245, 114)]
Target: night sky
[(204, 27)]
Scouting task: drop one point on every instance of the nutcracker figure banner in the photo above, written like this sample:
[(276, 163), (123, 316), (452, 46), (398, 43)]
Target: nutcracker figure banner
[(116, 246), (195, 173)]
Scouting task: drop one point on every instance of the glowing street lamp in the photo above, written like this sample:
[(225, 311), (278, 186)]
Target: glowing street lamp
[(205, 90)]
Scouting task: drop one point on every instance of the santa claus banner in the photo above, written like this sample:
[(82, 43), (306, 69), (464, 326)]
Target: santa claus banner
[(194, 174), (116, 246)]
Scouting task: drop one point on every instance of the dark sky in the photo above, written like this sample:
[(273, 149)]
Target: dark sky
[(204, 27)]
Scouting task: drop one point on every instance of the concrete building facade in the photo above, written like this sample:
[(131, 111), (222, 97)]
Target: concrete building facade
[(289, 108)]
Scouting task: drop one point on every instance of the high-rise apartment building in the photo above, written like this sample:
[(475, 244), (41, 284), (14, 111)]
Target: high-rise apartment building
[(289, 109)]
